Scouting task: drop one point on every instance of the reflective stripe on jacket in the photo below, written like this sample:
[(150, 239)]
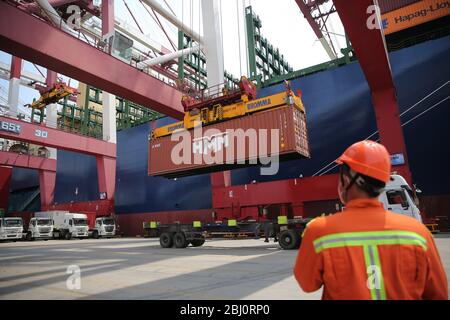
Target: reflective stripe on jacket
[(367, 252)]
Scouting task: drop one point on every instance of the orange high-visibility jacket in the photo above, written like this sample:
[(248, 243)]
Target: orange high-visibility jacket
[(367, 253)]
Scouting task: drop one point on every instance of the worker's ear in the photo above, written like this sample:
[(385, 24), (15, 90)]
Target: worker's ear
[(345, 180), (341, 188)]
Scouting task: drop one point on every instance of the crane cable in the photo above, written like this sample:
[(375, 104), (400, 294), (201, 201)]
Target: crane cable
[(199, 44), (324, 170), (403, 113), (182, 23), (132, 16), (191, 20), (199, 23), (168, 6), (221, 31), (404, 124), (239, 38), (245, 37), (158, 22)]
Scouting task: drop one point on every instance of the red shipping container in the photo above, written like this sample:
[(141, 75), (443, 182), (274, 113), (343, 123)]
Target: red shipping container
[(260, 138)]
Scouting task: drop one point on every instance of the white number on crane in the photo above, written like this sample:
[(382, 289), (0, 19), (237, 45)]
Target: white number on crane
[(41, 133), (9, 126)]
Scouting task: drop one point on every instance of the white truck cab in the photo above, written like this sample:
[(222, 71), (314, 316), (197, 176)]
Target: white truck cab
[(11, 228), (104, 227), (66, 224), (40, 228), (400, 198)]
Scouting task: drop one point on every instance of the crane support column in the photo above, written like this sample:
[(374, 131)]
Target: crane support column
[(212, 32), (108, 21), (5, 181), (14, 86), (369, 44), (106, 169), (51, 110), (109, 117), (47, 180), (106, 166), (109, 100)]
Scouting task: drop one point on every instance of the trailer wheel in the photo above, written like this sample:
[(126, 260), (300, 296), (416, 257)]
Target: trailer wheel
[(198, 242), (95, 234), (28, 237), (166, 240), (289, 239), (67, 236), (180, 241)]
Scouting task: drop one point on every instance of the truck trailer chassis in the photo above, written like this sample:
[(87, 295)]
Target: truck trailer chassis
[(286, 231)]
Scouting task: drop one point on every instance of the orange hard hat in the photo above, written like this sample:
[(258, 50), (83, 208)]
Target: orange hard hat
[(368, 158)]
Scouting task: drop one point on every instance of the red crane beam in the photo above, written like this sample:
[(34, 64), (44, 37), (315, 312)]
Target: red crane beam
[(34, 7), (54, 138), (368, 43), (13, 159), (282, 191), (370, 48), (30, 38)]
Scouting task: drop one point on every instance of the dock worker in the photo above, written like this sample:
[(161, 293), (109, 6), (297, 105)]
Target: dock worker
[(270, 229), (367, 252)]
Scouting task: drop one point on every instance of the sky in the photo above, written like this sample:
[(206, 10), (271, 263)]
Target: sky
[(282, 24)]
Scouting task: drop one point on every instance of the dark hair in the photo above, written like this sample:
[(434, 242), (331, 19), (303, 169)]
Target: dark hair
[(369, 185)]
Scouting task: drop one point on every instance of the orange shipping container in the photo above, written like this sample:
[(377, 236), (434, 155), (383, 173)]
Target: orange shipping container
[(260, 138), (414, 14)]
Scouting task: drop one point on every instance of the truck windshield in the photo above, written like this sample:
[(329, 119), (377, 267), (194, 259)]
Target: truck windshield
[(108, 222), (80, 222), (13, 223), (44, 222)]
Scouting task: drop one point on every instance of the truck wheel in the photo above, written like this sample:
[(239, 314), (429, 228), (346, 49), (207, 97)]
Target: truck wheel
[(95, 234), (67, 236), (166, 240), (289, 239), (28, 237), (197, 242), (180, 240)]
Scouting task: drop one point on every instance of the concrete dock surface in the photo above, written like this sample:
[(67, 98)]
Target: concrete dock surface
[(138, 268)]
